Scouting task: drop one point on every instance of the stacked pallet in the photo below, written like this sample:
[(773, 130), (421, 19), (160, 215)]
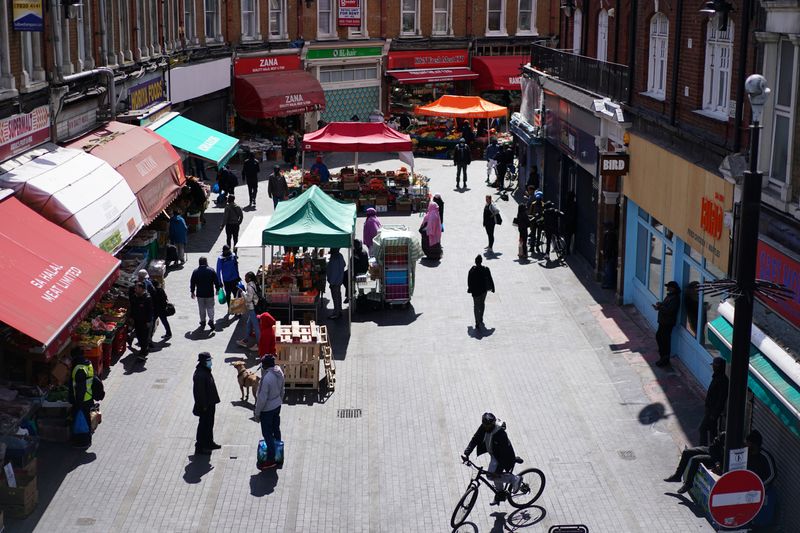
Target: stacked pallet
[(299, 350)]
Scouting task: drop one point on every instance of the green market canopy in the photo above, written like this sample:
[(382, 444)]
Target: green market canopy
[(198, 140)]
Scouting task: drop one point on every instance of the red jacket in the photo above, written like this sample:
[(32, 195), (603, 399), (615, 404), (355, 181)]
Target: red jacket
[(266, 343)]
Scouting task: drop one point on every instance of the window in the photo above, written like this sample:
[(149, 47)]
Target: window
[(577, 31), (325, 11), (31, 51), (347, 74), (212, 23), (189, 28), (250, 30), (527, 10), (277, 19), (496, 17), (83, 30), (657, 56), (717, 84), (654, 255), (171, 24), (408, 17), (441, 17), (360, 31), (602, 35), (7, 85), (780, 159)]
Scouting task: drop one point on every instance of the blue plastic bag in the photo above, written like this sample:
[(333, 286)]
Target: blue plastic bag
[(261, 458), (80, 426), (215, 188)]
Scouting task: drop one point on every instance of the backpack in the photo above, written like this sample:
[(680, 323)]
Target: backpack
[(98, 389)]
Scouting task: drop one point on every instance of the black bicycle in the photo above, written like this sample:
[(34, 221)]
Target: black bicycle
[(530, 488)]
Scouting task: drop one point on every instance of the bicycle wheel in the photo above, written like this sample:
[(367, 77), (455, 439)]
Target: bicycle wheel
[(560, 246), (530, 488), (464, 506)]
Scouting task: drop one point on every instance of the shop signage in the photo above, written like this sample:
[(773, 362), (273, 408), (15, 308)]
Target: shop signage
[(711, 215), (146, 94), (407, 59), (19, 133), (27, 15), (614, 164), (77, 122), (350, 13), (773, 265), (344, 53), (253, 65)]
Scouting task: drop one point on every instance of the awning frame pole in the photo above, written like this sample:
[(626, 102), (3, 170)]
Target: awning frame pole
[(356, 162)]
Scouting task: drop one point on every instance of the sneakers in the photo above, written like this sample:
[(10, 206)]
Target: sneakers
[(499, 497), (243, 343)]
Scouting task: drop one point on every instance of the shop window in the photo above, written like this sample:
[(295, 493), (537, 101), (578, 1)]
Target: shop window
[(657, 56), (717, 79), (496, 17), (277, 19), (408, 17), (577, 31), (325, 25), (441, 17), (669, 265), (345, 75), (33, 74), (250, 30), (189, 30), (694, 254), (692, 310), (643, 214), (526, 18), (709, 305), (655, 264), (780, 158), (211, 21), (642, 253), (602, 35)]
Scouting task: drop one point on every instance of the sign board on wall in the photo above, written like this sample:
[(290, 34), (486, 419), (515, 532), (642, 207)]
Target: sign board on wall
[(27, 15), (254, 65), (146, 94), (75, 120), (614, 164), (20, 133), (344, 53), (408, 59), (350, 13), (199, 79), (687, 199), (774, 265)]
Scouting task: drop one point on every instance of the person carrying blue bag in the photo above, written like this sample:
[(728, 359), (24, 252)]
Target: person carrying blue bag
[(81, 398), (268, 408)]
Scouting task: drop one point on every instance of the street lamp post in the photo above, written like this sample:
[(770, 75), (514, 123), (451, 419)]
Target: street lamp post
[(757, 92)]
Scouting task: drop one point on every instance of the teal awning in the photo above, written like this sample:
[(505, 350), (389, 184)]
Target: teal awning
[(197, 139), (314, 220), (766, 380)]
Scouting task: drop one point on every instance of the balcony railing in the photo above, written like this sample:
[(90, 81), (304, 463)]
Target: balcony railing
[(600, 77)]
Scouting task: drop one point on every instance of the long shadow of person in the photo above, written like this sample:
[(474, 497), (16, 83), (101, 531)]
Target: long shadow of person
[(263, 483), (198, 467)]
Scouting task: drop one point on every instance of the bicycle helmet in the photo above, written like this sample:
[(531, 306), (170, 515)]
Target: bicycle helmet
[(538, 195), (488, 418)]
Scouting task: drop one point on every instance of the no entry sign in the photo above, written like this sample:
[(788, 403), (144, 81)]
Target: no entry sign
[(736, 498)]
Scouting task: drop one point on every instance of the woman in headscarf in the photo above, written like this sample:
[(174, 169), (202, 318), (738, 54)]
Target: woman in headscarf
[(371, 227), (431, 230)]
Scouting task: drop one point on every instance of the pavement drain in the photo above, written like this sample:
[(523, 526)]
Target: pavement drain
[(163, 380), (158, 386), (348, 413), (628, 455), (85, 521), (545, 288)]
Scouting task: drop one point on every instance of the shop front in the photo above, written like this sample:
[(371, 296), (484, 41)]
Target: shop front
[(676, 230), (146, 100), (201, 91), (526, 128), (499, 79), (350, 77), (419, 77)]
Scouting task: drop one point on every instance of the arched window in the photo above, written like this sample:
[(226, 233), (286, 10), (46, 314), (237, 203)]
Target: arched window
[(602, 35), (657, 55)]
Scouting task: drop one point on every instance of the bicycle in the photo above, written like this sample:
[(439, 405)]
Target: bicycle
[(530, 488), (560, 246)]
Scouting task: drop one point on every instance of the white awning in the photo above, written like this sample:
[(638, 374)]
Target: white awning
[(251, 238)]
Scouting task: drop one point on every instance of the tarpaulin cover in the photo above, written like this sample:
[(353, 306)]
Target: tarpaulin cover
[(433, 75), (313, 219), (462, 107), (277, 94), (357, 137), (77, 191), (196, 139), (399, 236), (51, 277), (147, 161), (498, 73)]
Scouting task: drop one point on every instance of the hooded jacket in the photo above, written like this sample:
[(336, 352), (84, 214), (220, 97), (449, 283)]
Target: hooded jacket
[(227, 267), (371, 227), (499, 446), (266, 342), (270, 391), (717, 393)]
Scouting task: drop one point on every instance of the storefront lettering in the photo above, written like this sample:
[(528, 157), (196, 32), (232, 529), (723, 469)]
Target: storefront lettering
[(268, 62), (711, 218), (294, 99), (252, 65), (515, 80), (614, 164), (344, 52), (17, 126), (775, 266), (146, 94), (703, 244), (208, 144), (58, 288), (46, 275), (146, 165)]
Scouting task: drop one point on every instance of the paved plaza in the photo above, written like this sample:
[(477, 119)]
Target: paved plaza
[(568, 370)]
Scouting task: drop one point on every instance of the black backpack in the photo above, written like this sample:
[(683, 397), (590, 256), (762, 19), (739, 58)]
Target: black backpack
[(98, 389)]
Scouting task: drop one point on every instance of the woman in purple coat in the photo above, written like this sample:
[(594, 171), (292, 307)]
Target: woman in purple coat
[(371, 228)]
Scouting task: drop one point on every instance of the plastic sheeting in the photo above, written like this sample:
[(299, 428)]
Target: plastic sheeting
[(399, 235)]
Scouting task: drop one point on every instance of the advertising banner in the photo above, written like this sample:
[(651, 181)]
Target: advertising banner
[(20, 133), (773, 265), (350, 13), (27, 15)]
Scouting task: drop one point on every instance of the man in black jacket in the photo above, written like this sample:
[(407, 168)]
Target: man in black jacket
[(716, 397), (250, 172), (204, 286), (205, 405), (462, 158), (479, 282), (141, 309), (491, 438), (667, 318)]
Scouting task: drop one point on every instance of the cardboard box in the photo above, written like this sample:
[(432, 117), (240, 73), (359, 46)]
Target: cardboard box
[(53, 430), (22, 510), (23, 492), (29, 470)]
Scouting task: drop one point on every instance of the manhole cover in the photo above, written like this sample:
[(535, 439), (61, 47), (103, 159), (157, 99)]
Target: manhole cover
[(85, 521), (628, 455), (348, 413)]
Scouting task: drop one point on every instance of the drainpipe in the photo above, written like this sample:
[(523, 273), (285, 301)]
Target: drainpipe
[(740, 78), (632, 47), (383, 18), (676, 56), (616, 31)]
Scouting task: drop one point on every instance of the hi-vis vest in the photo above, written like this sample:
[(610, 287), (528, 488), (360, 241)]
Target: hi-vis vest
[(86, 367)]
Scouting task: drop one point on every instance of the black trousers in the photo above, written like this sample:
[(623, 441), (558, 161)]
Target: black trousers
[(252, 190), (548, 235), (205, 428), (708, 428), (664, 341), (231, 233), (478, 307), (229, 287), (694, 457), (144, 332), (461, 168), (523, 242), (490, 233), (163, 318)]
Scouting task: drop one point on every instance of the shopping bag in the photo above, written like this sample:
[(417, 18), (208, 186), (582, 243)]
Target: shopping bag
[(215, 188), (261, 455), (80, 426), (221, 296), (169, 310), (237, 306)]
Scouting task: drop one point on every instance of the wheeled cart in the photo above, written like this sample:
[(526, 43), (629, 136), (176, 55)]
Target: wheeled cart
[(397, 251)]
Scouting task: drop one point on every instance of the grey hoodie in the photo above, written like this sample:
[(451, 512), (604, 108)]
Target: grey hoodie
[(270, 391)]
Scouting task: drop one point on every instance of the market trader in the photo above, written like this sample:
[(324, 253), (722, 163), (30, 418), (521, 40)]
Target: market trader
[(320, 169), (80, 395)]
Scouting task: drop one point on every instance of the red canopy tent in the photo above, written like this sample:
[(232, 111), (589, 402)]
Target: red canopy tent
[(359, 137)]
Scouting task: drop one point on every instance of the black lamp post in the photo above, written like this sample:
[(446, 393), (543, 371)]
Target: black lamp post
[(746, 287)]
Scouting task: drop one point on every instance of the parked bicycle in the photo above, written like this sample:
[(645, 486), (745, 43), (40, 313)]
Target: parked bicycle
[(530, 489)]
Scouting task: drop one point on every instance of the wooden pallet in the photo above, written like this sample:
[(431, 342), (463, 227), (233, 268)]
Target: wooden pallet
[(297, 333), (301, 374), (330, 367)]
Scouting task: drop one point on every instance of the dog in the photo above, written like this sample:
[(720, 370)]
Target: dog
[(247, 380)]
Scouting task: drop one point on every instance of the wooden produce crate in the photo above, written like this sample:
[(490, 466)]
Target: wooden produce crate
[(299, 349), (20, 501)]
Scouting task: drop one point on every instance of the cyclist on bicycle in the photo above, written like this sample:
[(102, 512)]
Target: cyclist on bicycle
[(491, 438), (550, 215)]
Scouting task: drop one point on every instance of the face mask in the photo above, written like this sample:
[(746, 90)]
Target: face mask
[(208, 363)]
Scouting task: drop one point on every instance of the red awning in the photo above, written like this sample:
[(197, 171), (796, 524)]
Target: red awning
[(357, 137), (52, 277), (277, 94), (435, 75), (498, 73), (147, 161)]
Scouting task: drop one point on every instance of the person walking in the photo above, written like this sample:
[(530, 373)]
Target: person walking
[(461, 158), (505, 158), (535, 215), (372, 225), (490, 154), (266, 339), (179, 235), (335, 280), (228, 272), (141, 312), (277, 188), (716, 397), (203, 286), (522, 223), (479, 282), (81, 397), (232, 219), (268, 405), (667, 318), (609, 254), (490, 216), (250, 172), (206, 399), (160, 303), (251, 298), (431, 231)]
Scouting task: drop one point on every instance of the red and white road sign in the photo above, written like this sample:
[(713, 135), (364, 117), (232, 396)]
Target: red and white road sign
[(736, 498)]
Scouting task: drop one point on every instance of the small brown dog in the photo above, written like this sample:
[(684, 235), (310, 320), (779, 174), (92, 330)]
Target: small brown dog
[(247, 380)]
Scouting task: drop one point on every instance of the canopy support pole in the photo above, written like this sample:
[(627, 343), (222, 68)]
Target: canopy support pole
[(350, 281), (356, 162), (303, 160), (263, 271)]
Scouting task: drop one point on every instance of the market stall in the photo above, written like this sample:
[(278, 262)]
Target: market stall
[(195, 139)]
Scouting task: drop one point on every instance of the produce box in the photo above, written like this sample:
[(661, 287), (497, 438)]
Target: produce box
[(22, 510), (23, 492), (20, 449), (54, 429), (28, 470), (54, 410)]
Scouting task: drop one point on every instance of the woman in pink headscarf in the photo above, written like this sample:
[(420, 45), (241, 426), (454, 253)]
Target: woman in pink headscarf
[(371, 227), (431, 231)]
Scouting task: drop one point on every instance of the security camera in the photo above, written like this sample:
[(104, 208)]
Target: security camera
[(757, 92)]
